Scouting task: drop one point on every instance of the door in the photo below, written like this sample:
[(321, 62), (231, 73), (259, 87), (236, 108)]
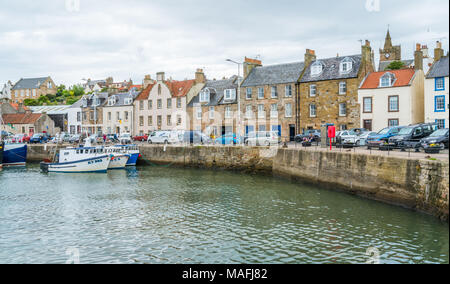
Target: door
[(368, 124), (291, 132)]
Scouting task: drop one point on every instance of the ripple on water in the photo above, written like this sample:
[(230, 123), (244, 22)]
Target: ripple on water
[(163, 215)]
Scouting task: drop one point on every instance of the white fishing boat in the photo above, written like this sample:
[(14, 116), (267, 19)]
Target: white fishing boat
[(118, 161), (97, 164)]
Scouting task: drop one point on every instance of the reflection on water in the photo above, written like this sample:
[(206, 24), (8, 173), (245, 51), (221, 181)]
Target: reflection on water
[(165, 215)]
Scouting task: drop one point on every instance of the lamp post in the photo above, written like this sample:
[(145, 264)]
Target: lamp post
[(238, 96)]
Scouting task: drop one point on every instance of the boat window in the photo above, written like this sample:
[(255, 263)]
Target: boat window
[(78, 151)]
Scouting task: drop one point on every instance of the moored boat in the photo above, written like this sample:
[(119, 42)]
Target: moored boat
[(14, 155), (118, 161), (132, 150), (1, 153), (97, 164)]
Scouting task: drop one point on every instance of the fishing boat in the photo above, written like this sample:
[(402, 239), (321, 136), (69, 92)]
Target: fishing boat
[(1, 153), (14, 155), (79, 160), (119, 158), (132, 151)]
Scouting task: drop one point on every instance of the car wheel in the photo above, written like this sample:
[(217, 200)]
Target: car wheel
[(442, 146)]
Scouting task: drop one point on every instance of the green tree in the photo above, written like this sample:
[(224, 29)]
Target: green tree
[(395, 65), (31, 102)]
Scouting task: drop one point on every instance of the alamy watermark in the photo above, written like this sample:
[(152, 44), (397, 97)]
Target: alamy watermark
[(373, 5), (73, 6), (74, 256)]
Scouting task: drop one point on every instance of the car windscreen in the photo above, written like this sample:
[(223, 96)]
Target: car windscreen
[(439, 133), (406, 131), (384, 131)]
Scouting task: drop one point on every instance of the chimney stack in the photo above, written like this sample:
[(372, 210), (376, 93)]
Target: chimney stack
[(438, 52), (200, 77), (418, 57), (147, 81), (160, 76), (249, 64), (310, 56), (367, 56)]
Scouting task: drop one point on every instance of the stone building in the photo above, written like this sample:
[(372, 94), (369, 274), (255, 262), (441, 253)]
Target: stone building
[(328, 90), (92, 113), (268, 97), (214, 109), (118, 114), (32, 88)]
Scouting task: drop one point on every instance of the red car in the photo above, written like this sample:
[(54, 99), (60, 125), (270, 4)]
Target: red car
[(21, 138), (141, 138)]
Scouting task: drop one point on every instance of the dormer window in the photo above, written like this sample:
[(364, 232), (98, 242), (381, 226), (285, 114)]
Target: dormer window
[(95, 101), (112, 101), (230, 94), (316, 68), (346, 65), (387, 80), (84, 102), (128, 100), (205, 96)]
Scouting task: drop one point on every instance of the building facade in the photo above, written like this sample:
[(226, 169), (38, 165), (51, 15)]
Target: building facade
[(118, 114), (328, 91), (74, 118), (392, 98), (436, 93), (32, 88), (92, 113), (23, 121)]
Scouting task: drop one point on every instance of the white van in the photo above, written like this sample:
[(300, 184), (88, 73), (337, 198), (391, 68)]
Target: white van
[(163, 137)]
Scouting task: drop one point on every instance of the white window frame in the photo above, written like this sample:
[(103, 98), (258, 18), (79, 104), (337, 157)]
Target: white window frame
[(228, 112), (249, 93), (391, 79), (199, 113), (288, 91), (311, 88), (288, 110), (211, 112), (260, 93), (342, 88), (342, 109), (316, 68), (261, 111), (346, 65), (274, 92), (205, 96), (274, 110), (249, 111), (311, 113), (230, 94)]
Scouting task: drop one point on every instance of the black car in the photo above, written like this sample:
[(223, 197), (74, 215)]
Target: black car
[(306, 134), (410, 136), (439, 138)]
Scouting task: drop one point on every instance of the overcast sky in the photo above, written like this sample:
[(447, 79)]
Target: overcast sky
[(128, 39)]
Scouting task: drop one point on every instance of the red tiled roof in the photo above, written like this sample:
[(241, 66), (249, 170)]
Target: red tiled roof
[(402, 78), (180, 88), (21, 118), (16, 106), (143, 96)]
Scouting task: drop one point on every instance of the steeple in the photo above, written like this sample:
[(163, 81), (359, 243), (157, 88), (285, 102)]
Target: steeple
[(388, 41)]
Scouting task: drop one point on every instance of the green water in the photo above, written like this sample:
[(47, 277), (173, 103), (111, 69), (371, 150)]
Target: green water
[(166, 215)]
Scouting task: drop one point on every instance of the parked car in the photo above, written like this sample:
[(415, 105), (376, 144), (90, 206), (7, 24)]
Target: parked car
[(263, 138), (112, 138), (163, 137), (306, 134), (439, 138), (39, 138), (410, 136), (195, 137), (74, 138), (228, 139), (363, 138), (382, 137), (125, 138), (350, 138), (141, 138), (20, 138)]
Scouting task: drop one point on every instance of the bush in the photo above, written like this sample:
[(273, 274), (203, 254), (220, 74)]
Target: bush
[(395, 65)]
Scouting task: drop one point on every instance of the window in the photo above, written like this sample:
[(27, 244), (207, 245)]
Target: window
[(112, 101), (178, 102), (205, 96), (261, 112), (49, 85), (34, 92), (128, 101), (91, 116), (159, 120), (248, 112), (343, 109), (288, 91), (262, 128), (199, 113), (312, 90), (109, 116), (169, 103), (260, 93), (440, 84), (387, 80), (343, 127), (150, 121), (230, 94), (316, 68), (126, 116), (179, 120), (367, 105), (141, 121), (249, 93), (288, 110), (159, 104), (393, 122), (440, 123), (346, 65), (150, 104), (274, 110), (393, 104), (312, 111), (118, 116), (159, 89), (228, 113), (439, 104), (274, 92), (28, 93), (169, 120), (141, 105), (211, 112), (342, 88), (78, 116), (367, 124)]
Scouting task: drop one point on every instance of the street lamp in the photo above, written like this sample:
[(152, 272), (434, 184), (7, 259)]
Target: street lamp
[(239, 95)]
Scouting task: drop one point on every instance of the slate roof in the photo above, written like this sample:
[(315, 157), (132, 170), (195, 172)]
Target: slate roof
[(403, 77), (274, 74), (384, 64), (120, 100), (102, 96), (21, 118), (439, 69), (216, 89), (331, 70), (32, 83)]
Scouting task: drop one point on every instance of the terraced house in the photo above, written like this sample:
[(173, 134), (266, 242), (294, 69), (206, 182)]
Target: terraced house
[(328, 90), (268, 97), (118, 113), (162, 105), (32, 88), (92, 113), (214, 109)]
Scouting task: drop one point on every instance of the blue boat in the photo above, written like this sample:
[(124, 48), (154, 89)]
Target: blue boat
[(133, 151), (1, 153), (14, 155)]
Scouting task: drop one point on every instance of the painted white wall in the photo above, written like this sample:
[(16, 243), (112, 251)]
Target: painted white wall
[(73, 121), (430, 94), (110, 125)]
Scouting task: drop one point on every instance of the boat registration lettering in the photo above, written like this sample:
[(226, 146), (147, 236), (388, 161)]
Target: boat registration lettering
[(94, 162)]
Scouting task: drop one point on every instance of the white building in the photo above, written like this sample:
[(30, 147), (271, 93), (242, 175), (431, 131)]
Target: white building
[(118, 114), (436, 93), (392, 98), (74, 118), (5, 92)]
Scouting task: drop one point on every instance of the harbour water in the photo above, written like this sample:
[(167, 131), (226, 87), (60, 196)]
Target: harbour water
[(169, 215)]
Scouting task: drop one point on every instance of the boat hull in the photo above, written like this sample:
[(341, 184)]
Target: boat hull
[(14, 155), (1, 153), (92, 165), (132, 161), (118, 162)]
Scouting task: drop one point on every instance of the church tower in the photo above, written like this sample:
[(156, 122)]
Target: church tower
[(390, 53)]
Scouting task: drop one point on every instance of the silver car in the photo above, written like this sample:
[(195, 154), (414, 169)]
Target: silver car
[(263, 138)]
